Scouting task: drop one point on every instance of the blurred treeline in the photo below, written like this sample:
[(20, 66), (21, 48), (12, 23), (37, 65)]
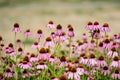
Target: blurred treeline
[(15, 2)]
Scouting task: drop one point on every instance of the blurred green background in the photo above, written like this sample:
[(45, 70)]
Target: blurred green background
[(35, 14)]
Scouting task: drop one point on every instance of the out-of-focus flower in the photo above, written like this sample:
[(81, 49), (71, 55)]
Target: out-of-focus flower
[(36, 45), (89, 26), (27, 32), (20, 51), (96, 26), (9, 73), (115, 62), (18, 42), (16, 28), (105, 28), (92, 60), (116, 74), (43, 54), (50, 24), (58, 30), (101, 61), (33, 58), (71, 31), (105, 70), (41, 65), (74, 73), (25, 74), (48, 42), (39, 33), (112, 53)]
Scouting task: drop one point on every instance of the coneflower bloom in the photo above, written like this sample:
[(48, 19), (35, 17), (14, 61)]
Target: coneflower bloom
[(116, 74), (41, 65), (85, 44), (112, 53), (105, 28), (43, 54), (27, 32), (107, 44), (33, 58), (89, 26), (9, 73), (101, 47), (105, 70), (116, 38), (18, 42), (92, 60), (50, 24), (48, 43), (52, 59), (84, 36), (62, 37), (39, 33), (91, 50), (115, 62), (25, 64), (73, 73), (58, 30), (36, 45), (84, 60), (53, 35), (63, 61), (20, 51), (96, 26), (96, 34), (25, 74), (115, 44), (92, 44), (71, 32), (16, 28), (101, 61)]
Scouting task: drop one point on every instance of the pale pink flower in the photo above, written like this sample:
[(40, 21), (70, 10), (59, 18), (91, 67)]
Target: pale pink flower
[(92, 44), (116, 74), (58, 30), (39, 34), (112, 53), (100, 47), (96, 26), (36, 45), (105, 28), (33, 58), (25, 74), (105, 70), (9, 73), (115, 62), (71, 32), (84, 36), (74, 73), (43, 54), (48, 42), (101, 61), (41, 65), (20, 51), (16, 28), (89, 26), (50, 24), (27, 32), (92, 60), (18, 42)]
